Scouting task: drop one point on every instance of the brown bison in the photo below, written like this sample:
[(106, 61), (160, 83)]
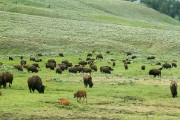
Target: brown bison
[(155, 72), (18, 67), (72, 70), (79, 94), (173, 88), (128, 53), (99, 56), (23, 62), (35, 83), (32, 69), (93, 67), (39, 54), (50, 65), (58, 70), (166, 65), (87, 79), (87, 70), (106, 69), (83, 63), (63, 101), (6, 77)]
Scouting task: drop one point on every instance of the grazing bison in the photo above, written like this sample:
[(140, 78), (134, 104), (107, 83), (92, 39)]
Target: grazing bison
[(32, 59), (72, 70), (158, 63), (155, 72), (89, 55), (61, 54), (36, 64), (11, 58), (32, 69), (143, 67), (174, 65), (105, 69), (52, 61), (23, 62), (128, 53), (38, 60), (18, 67), (39, 54), (79, 94), (6, 77), (58, 70), (126, 66), (150, 57), (166, 65), (35, 83), (63, 101), (93, 67), (87, 79), (50, 65), (133, 57), (83, 63), (87, 70), (21, 57), (173, 88), (99, 56)]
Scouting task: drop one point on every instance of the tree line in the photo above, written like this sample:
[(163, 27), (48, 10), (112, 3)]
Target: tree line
[(168, 7)]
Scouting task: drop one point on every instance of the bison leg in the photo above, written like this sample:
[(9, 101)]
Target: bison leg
[(9, 85)]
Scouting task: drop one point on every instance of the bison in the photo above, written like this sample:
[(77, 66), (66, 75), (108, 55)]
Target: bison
[(105, 69), (61, 54), (166, 65), (174, 65), (143, 67), (6, 77), (155, 72), (35, 83), (58, 70), (11, 58), (87, 79), (93, 67), (18, 67), (89, 55), (72, 70), (173, 88), (50, 65), (32, 69), (87, 70), (79, 94), (128, 53), (99, 56), (63, 101), (23, 62), (150, 57)]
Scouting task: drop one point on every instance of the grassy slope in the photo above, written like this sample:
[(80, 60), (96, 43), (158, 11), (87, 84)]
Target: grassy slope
[(74, 24)]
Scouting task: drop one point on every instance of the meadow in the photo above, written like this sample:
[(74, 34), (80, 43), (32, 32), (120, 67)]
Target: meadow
[(124, 94), (78, 27)]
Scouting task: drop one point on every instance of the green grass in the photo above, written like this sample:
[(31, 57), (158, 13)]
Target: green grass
[(75, 28), (124, 94)]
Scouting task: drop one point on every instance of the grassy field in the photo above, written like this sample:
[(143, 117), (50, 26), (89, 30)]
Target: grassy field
[(75, 28), (124, 94)]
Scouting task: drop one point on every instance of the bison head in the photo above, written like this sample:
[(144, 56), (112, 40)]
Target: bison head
[(41, 89)]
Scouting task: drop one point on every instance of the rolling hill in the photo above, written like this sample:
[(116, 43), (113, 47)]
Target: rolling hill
[(74, 26)]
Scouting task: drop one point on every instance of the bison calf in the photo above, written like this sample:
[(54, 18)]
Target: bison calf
[(173, 88), (63, 101), (79, 94)]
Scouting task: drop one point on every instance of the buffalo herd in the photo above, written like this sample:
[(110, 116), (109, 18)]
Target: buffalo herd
[(35, 83)]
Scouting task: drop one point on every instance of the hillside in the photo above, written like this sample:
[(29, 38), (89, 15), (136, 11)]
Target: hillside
[(31, 26)]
